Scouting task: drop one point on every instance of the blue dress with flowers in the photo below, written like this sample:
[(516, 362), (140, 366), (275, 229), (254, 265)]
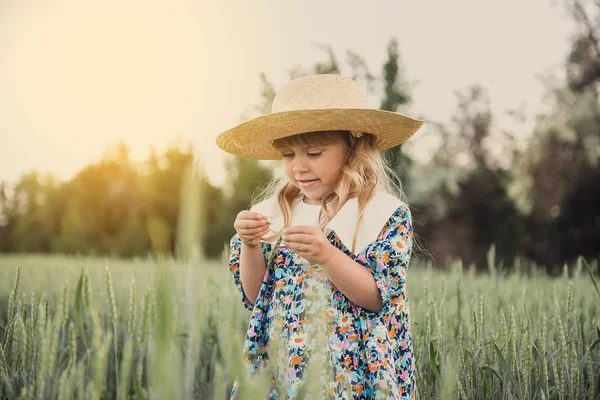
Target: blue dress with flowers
[(301, 319)]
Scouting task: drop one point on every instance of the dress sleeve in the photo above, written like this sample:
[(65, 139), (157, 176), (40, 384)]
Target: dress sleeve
[(388, 258), (235, 249), (385, 336)]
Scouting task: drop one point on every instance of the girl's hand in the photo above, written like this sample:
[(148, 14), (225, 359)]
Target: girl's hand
[(308, 242), (251, 226)]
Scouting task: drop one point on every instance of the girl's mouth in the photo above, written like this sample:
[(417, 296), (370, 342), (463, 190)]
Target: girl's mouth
[(307, 183)]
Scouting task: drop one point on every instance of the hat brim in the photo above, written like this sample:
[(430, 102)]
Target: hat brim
[(252, 139)]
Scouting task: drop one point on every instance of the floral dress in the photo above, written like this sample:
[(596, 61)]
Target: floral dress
[(301, 319)]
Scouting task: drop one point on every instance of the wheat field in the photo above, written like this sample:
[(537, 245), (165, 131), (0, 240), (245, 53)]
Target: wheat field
[(161, 329)]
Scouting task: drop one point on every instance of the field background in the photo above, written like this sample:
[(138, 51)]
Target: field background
[(476, 335)]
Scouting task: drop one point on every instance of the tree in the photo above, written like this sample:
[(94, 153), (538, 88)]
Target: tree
[(161, 193), (472, 189), (219, 217), (35, 213), (395, 93), (564, 220), (102, 214), (583, 68), (7, 219), (245, 177)]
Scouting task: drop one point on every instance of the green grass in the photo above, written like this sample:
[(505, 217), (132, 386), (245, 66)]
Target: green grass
[(142, 329)]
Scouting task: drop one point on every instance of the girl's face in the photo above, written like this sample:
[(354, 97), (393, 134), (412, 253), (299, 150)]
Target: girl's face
[(314, 169)]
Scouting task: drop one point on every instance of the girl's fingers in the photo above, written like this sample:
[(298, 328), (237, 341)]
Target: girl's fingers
[(253, 231), (295, 238), (250, 215), (299, 248), (261, 234), (251, 223), (257, 234)]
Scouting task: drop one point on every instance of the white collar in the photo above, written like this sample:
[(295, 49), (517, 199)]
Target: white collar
[(376, 214)]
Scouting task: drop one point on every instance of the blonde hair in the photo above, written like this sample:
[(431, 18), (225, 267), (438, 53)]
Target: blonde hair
[(364, 172)]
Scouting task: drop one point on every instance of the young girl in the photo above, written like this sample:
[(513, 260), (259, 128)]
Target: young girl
[(334, 292)]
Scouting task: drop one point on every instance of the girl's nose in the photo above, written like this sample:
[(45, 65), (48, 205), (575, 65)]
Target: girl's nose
[(299, 167)]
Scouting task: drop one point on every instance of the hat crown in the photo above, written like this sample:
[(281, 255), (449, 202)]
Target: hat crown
[(316, 92)]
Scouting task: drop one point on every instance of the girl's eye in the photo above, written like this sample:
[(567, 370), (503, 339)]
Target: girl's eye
[(288, 155), (315, 154)]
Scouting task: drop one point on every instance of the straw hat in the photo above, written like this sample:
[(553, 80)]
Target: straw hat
[(316, 103)]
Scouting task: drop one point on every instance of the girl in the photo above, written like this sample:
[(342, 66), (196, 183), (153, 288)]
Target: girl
[(321, 262)]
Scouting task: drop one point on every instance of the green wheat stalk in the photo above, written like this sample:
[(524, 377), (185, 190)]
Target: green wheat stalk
[(113, 315), (132, 307)]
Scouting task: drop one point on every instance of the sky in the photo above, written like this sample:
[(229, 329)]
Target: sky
[(79, 76)]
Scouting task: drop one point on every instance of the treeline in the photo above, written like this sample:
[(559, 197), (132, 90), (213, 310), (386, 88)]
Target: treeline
[(118, 207)]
